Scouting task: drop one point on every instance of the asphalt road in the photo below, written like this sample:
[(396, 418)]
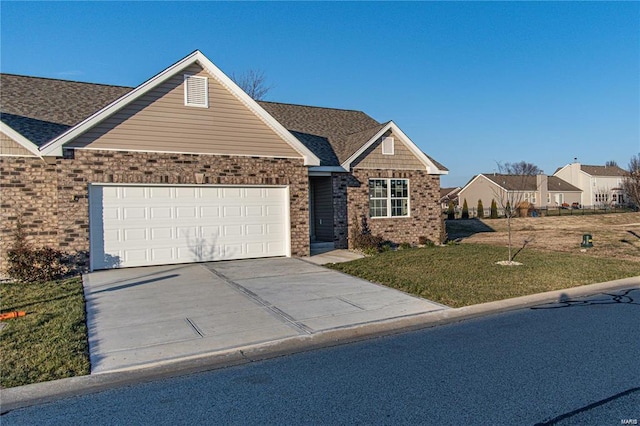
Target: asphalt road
[(576, 362)]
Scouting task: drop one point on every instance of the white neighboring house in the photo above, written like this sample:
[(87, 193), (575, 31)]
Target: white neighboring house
[(601, 185)]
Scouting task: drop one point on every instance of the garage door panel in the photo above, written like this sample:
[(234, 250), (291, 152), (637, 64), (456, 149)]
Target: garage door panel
[(162, 254), (232, 230), (129, 213), (132, 235), (136, 225), (160, 212), (159, 235), (210, 212)]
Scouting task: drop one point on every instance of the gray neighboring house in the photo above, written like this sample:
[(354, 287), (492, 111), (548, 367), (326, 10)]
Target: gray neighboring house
[(187, 167), (540, 190)]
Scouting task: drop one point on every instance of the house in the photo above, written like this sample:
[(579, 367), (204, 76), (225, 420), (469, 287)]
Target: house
[(540, 190), (187, 167), (600, 185), (447, 195)]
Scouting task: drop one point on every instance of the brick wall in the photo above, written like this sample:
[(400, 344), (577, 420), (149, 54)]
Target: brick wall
[(55, 198), (28, 187), (425, 215)]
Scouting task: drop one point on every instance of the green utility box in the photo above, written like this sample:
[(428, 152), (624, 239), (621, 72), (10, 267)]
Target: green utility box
[(587, 241)]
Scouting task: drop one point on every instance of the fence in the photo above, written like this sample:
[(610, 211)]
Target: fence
[(549, 211)]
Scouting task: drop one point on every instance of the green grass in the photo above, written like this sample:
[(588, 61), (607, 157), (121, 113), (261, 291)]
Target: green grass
[(50, 342), (467, 274)]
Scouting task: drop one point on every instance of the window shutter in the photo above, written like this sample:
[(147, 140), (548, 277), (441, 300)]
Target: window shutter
[(195, 91), (387, 146)]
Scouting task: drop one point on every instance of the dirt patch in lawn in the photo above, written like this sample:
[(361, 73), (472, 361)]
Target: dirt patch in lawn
[(614, 235)]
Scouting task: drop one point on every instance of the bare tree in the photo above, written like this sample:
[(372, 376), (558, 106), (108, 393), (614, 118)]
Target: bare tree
[(603, 197), (518, 183), (521, 168), (253, 82), (631, 182), (611, 163)]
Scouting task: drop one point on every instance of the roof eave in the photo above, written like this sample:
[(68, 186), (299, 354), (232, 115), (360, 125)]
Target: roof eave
[(20, 139)]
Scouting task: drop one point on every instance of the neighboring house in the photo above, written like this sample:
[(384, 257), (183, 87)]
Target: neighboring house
[(540, 190), (601, 185), (187, 167), (447, 195)]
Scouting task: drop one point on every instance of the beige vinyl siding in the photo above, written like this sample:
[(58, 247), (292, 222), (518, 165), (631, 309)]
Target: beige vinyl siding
[(481, 189), (10, 147), (159, 121), (402, 158)]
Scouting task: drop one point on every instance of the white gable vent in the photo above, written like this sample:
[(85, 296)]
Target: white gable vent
[(195, 91), (387, 146)]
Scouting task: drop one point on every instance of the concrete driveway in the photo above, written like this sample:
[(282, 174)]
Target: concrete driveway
[(143, 316)]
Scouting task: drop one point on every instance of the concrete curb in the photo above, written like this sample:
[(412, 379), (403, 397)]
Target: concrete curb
[(39, 393)]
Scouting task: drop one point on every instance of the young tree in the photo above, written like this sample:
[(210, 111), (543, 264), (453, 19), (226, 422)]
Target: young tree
[(480, 209), (631, 182), (494, 209), (253, 82), (465, 210), (515, 181)]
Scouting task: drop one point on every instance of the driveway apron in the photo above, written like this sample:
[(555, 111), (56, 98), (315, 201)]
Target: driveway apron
[(142, 316)]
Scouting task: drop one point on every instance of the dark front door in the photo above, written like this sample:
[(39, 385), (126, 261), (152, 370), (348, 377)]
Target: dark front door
[(321, 209)]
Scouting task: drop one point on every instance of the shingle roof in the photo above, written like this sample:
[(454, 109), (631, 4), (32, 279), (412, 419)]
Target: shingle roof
[(529, 183), (603, 170), (451, 192), (43, 108), (344, 131)]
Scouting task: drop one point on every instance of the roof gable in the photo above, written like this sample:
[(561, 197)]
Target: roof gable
[(54, 147), (431, 166)]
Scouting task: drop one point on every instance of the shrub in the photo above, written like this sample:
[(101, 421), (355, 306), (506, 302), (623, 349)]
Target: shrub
[(451, 211), (405, 246), (27, 264), (465, 210), (424, 241), (480, 209), (362, 238), (494, 209)]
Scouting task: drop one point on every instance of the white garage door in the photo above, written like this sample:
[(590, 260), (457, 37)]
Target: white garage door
[(156, 225)]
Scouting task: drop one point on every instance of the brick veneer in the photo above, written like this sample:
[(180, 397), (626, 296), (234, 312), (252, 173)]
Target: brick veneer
[(425, 214), (52, 200)]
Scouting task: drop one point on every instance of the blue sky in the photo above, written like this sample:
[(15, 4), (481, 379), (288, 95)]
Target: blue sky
[(472, 83)]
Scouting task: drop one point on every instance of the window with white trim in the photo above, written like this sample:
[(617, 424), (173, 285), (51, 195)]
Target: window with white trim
[(387, 146), (388, 197), (196, 91)]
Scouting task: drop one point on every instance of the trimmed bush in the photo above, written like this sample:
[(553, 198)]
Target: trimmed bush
[(480, 209), (465, 210), (494, 209), (451, 211)]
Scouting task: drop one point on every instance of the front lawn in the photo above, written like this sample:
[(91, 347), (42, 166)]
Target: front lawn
[(50, 342), (467, 274)]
